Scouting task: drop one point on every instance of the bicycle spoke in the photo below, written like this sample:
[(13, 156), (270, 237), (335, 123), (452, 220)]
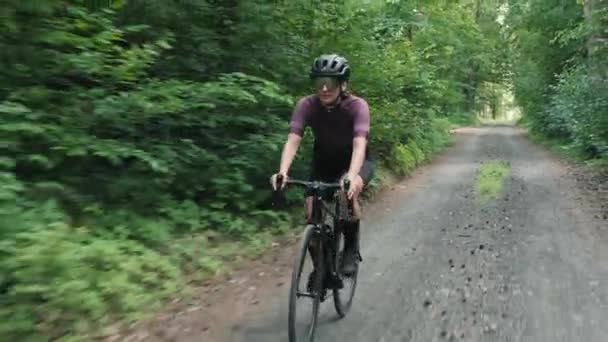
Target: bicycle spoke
[(304, 299), (343, 297)]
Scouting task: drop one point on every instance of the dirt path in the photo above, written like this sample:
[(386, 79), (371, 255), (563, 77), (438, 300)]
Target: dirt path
[(530, 266)]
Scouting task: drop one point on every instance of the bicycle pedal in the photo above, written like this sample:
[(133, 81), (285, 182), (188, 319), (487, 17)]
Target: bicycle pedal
[(323, 296), (336, 282)]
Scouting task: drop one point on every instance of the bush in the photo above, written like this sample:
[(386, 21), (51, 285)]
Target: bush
[(66, 280), (559, 74), (403, 161), (578, 111)]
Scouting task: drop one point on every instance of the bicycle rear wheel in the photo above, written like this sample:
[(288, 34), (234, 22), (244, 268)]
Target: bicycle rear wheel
[(310, 242)]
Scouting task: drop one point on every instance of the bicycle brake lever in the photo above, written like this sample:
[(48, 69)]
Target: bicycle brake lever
[(279, 181), (278, 197), (346, 184)]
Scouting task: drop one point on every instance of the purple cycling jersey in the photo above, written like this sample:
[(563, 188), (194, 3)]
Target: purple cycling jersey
[(351, 109), (334, 129)]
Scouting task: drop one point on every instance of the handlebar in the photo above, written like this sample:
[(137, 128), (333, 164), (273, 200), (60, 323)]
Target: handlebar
[(316, 185), (317, 188)]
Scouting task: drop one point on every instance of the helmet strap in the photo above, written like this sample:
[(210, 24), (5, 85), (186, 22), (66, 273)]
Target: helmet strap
[(343, 93)]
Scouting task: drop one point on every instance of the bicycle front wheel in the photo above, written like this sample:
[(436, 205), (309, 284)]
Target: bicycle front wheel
[(303, 323), (343, 297)]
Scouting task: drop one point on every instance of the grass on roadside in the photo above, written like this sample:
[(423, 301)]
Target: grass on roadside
[(570, 151)]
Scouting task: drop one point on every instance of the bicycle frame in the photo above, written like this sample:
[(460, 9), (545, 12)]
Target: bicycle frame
[(318, 204), (328, 238), (327, 233), (322, 239)]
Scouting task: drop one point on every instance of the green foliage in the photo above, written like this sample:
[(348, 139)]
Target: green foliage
[(463, 119), (560, 77), (404, 160), (405, 157), (579, 112), (138, 138), (64, 276)]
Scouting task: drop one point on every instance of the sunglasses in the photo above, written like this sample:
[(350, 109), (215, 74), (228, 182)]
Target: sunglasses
[(329, 82)]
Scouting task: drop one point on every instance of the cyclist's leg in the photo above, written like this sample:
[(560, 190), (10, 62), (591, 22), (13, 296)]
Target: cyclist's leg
[(311, 248), (351, 230), (366, 173), (308, 208), (320, 171), (313, 175)]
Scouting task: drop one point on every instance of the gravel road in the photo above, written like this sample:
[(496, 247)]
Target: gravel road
[(440, 267), (531, 265)]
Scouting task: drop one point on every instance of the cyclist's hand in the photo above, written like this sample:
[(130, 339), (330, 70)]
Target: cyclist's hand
[(274, 178), (278, 197), (356, 185)]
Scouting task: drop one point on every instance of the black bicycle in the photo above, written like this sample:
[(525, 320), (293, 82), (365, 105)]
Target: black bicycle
[(323, 243)]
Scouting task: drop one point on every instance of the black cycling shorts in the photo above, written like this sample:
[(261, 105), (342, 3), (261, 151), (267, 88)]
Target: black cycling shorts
[(325, 173)]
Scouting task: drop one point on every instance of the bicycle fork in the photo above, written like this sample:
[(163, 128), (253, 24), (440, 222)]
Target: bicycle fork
[(324, 243), (330, 250)]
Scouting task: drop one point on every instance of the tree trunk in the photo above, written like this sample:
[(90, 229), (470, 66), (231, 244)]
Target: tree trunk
[(588, 12), (598, 39), (226, 24), (471, 91), (477, 11)]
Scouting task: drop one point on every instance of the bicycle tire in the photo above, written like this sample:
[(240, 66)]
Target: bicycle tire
[(343, 300), (309, 234)]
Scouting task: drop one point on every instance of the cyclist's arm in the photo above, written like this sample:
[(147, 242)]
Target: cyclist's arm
[(299, 119), (289, 152), (360, 137), (358, 156)]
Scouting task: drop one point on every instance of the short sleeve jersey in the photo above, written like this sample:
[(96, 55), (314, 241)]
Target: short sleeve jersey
[(333, 129)]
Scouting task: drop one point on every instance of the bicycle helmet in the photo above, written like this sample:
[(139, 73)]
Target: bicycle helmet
[(330, 66)]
